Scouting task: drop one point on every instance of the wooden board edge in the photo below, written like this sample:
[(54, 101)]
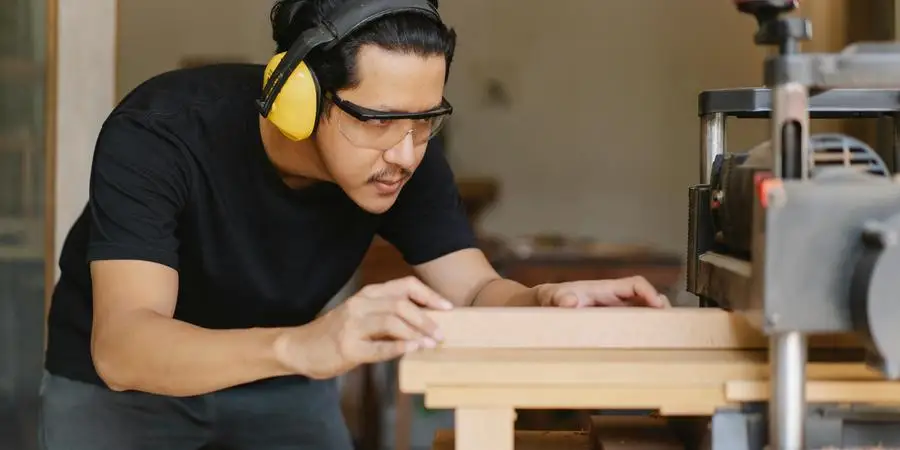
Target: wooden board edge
[(610, 328), (415, 376), (693, 401), (824, 391)]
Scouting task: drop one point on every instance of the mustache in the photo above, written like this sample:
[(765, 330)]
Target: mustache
[(390, 174)]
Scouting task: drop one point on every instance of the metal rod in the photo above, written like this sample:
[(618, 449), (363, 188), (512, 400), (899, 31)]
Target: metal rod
[(790, 131), (895, 144), (712, 138), (787, 403)]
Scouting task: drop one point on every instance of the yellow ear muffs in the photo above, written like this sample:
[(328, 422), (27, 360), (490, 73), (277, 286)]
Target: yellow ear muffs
[(296, 107), (295, 110)]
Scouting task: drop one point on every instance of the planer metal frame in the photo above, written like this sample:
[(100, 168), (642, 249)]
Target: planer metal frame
[(806, 233)]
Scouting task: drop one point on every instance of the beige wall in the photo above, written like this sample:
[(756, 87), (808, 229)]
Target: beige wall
[(600, 137), (85, 78), (155, 35)]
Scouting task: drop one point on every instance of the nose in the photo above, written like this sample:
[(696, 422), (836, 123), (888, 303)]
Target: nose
[(403, 154)]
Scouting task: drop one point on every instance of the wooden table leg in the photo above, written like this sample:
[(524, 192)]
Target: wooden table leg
[(488, 428)]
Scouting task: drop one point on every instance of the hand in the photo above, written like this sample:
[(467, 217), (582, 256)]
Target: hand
[(379, 323), (632, 291)]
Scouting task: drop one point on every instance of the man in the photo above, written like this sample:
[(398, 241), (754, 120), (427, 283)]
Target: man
[(187, 313)]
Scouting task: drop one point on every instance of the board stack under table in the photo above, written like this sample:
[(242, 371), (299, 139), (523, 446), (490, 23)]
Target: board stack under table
[(685, 364)]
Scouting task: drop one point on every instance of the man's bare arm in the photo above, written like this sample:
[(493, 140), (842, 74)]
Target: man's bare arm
[(137, 345), (467, 278)]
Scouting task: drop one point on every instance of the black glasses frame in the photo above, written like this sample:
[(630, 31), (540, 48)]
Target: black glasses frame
[(364, 114)]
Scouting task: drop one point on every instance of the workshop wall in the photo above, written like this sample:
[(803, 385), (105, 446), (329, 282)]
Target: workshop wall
[(584, 111)]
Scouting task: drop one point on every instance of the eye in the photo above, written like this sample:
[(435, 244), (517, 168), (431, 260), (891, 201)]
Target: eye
[(378, 122)]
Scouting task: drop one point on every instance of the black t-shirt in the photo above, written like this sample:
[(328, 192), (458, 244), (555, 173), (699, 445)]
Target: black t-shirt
[(180, 177)]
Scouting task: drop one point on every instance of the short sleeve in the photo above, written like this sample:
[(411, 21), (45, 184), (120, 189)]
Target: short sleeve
[(138, 187), (429, 219)]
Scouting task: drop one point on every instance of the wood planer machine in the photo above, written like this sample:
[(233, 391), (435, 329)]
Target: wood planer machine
[(801, 235)]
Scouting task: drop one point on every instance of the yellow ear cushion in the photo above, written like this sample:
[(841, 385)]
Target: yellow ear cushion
[(294, 109)]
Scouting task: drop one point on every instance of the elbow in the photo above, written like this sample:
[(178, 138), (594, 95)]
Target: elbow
[(109, 367)]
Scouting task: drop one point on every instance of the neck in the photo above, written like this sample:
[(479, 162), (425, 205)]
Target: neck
[(297, 162)]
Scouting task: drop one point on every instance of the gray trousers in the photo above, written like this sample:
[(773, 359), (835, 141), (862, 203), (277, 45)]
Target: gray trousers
[(304, 415)]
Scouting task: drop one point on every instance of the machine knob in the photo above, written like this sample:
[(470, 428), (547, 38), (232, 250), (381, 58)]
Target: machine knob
[(875, 295), (751, 6), (766, 10)]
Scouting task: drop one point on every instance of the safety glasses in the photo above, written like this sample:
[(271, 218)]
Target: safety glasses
[(383, 130)]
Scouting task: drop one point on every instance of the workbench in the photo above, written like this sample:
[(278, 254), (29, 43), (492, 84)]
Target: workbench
[(547, 260), (681, 362)]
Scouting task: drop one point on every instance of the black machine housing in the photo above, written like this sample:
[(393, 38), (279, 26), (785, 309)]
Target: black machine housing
[(802, 233)]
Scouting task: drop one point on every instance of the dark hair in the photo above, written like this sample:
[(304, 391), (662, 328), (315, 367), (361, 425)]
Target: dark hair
[(336, 68)]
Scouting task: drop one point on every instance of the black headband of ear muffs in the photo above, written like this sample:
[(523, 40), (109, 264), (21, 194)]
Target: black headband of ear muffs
[(347, 18)]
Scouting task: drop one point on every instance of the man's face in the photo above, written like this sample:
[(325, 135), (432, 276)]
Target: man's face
[(372, 160)]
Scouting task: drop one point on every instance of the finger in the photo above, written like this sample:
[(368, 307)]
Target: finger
[(401, 307), (641, 289), (615, 303), (566, 300), (416, 317), (605, 293), (387, 326), (379, 351), (416, 291), (664, 301), (409, 312)]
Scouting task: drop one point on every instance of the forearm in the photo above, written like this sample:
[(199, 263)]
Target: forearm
[(505, 292), (148, 352)]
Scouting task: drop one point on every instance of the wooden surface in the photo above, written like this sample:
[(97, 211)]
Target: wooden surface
[(678, 382), (51, 78), (606, 328), (843, 391), (681, 362), (383, 262), (484, 428), (669, 401)]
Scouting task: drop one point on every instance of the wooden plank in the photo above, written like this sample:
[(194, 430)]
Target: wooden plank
[(670, 401), (660, 368), (485, 428), (526, 440), (609, 328), (866, 392)]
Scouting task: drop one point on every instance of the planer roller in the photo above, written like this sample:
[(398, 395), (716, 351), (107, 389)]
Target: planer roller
[(800, 234)]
